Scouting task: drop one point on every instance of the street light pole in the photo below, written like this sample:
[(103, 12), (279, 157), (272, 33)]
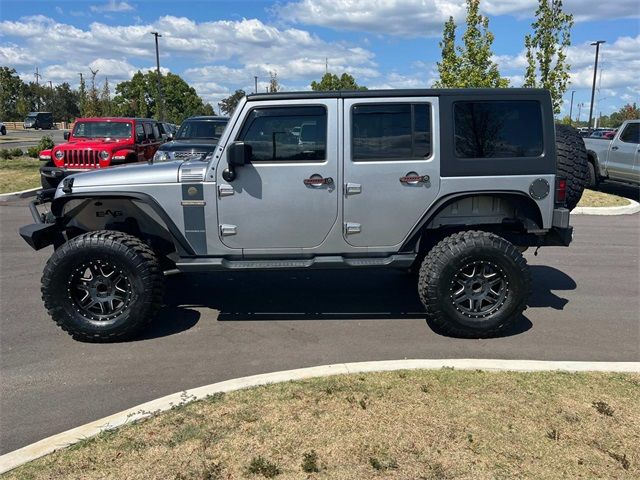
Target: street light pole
[(255, 80), (160, 102), (593, 87), (571, 108)]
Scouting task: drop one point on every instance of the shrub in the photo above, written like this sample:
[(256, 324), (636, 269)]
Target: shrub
[(262, 466), (310, 462), (17, 152), (46, 142), (5, 154), (33, 152)]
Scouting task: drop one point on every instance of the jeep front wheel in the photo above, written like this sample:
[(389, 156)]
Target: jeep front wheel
[(102, 286), (474, 284)]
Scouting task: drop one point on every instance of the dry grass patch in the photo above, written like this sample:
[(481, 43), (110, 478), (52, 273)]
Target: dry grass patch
[(18, 174), (413, 425), (591, 198)]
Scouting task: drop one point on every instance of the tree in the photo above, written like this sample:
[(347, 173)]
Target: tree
[(66, 103), (627, 112), (229, 104), (469, 65), (105, 99), (331, 82), (547, 65), (138, 97), (82, 92), (11, 86), (274, 85)]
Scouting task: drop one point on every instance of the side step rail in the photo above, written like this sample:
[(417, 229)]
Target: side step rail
[(400, 261)]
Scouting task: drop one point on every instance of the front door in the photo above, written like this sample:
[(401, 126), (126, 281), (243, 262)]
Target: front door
[(391, 167), (286, 196)]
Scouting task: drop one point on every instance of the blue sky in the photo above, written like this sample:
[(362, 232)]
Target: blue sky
[(218, 46)]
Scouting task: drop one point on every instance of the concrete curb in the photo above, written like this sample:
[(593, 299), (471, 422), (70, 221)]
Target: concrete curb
[(21, 194), (36, 450), (633, 207)]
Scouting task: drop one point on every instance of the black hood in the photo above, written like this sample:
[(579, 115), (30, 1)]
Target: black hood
[(187, 145)]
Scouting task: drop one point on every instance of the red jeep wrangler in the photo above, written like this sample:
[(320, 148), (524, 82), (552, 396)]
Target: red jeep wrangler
[(100, 143)]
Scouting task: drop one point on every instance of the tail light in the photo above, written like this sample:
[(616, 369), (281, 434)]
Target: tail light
[(561, 190)]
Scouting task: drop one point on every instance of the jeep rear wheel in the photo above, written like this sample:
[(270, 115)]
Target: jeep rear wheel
[(102, 286), (474, 284)]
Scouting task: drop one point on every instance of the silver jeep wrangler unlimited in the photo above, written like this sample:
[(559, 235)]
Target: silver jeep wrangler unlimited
[(451, 184)]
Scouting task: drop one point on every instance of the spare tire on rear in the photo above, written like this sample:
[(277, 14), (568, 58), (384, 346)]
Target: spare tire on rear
[(572, 162)]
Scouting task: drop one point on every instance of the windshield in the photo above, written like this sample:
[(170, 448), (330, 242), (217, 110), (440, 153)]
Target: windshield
[(102, 130), (201, 129)]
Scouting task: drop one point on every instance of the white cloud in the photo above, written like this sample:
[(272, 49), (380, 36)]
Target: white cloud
[(114, 6), (406, 18), (425, 18), (224, 54)]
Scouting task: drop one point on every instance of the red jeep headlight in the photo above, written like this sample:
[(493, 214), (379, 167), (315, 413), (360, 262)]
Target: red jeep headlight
[(104, 155), (59, 154)]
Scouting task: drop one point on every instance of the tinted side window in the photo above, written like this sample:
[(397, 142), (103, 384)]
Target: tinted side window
[(139, 130), (391, 131), (631, 133), (498, 129), (156, 131), (148, 131), (286, 133)]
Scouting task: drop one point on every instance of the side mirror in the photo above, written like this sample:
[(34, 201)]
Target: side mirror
[(66, 135), (238, 154)]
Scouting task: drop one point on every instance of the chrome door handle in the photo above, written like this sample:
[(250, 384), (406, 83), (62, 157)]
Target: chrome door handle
[(413, 178), (317, 181), (352, 188)]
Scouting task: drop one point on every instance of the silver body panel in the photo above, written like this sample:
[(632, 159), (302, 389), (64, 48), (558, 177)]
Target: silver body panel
[(615, 159), (268, 212)]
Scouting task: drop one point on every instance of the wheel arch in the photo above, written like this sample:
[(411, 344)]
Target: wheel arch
[(80, 213), (507, 210)]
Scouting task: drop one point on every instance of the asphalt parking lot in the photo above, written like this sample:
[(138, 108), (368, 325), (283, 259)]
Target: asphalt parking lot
[(28, 138), (585, 306)]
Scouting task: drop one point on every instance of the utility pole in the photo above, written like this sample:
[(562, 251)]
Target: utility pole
[(593, 87), (160, 102), (580, 105), (37, 75), (571, 108), (255, 80), (326, 65)]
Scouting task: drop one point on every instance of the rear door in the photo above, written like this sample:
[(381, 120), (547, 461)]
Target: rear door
[(391, 167), (286, 196)]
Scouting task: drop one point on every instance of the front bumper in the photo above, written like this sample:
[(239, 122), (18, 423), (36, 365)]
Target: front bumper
[(46, 230)]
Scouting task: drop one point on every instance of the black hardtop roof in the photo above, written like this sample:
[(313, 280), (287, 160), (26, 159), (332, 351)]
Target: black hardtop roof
[(417, 92)]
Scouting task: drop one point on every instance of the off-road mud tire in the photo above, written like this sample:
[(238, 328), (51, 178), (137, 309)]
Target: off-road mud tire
[(572, 162), (448, 259), (135, 261)]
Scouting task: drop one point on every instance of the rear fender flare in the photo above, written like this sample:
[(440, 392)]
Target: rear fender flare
[(417, 231)]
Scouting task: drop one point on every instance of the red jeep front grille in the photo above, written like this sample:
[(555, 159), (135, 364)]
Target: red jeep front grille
[(81, 158)]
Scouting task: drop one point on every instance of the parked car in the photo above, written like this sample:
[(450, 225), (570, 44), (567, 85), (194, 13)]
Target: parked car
[(453, 183), (197, 137), (36, 120), (167, 130), (3, 129), (617, 159), (601, 133), (96, 143)]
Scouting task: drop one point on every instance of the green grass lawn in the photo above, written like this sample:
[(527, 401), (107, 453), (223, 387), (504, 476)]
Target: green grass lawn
[(402, 425), (19, 174)]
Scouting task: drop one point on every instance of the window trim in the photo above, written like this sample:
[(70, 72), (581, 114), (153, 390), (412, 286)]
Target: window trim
[(394, 159), (525, 157), (288, 162)]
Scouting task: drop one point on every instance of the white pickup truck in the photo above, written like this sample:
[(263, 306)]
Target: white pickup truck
[(617, 159)]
